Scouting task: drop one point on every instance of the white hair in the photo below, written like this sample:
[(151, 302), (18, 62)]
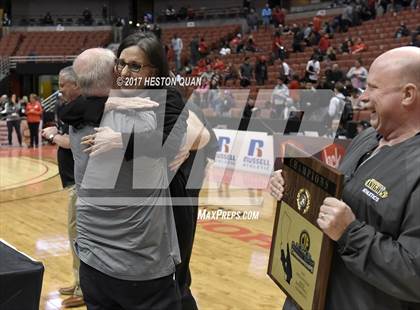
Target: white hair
[(68, 74), (94, 70)]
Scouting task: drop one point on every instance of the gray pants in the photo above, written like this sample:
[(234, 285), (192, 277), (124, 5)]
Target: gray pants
[(71, 225)]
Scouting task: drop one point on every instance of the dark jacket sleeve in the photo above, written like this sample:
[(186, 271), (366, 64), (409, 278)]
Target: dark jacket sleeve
[(391, 265), (174, 116), (83, 111)]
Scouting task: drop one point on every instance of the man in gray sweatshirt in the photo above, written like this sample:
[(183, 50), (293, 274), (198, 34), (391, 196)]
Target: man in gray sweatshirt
[(126, 238)]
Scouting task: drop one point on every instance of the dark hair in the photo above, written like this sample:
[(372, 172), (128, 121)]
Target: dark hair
[(339, 87), (151, 46)]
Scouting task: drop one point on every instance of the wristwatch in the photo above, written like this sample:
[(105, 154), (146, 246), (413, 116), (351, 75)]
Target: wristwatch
[(51, 137)]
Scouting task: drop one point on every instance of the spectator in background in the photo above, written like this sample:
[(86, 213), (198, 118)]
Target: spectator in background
[(190, 13), (6, 23), (226, 103), (337, 102), (252, 20), (294, 83), (277, 46), (23, 102), (415, 37), (402, 31), (208, 74), (3, 100), (284, 71), (48, 19), (105, 14), (231, 73), (218, 65), (298, 37), (203, 91), (347, 17), (33, 115), (170, 13), (87, 17), (250, 45), (246, 73), (326, 28), (11, 110), (324, 44), (313, 68), (334, 75), (317, 22), (203, 48), (372, 8), (279, 97), (355, 99), (6, 20), (307, 33), (261, 70), (313, 39), (266, 16), (278, 17), (236, 44), (331, 53), (346, 46), (323, 83), (157, 31), (182, 13), (358, 75), (177, 47), (194, 53), (246, 6), (359, 47)]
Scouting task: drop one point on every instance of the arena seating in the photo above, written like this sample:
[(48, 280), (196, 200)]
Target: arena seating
[(9, 43), (46, 43), (378, 34), (212, 35)]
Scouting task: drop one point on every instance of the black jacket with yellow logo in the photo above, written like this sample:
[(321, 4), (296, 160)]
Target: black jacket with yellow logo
[(376, 262)]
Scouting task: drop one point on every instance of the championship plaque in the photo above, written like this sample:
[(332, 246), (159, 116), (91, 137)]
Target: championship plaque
[(300, 255)]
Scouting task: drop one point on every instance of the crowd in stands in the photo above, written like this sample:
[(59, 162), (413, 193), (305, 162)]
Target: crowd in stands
[(317, 35), (207, 60), (87, 18)]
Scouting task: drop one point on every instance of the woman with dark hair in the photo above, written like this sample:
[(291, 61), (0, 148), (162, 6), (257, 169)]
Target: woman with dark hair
[(12, 110), (141, 55)]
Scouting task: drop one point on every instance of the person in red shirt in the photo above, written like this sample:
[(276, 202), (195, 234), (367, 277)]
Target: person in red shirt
[(218, 65), (317, 23), (277, 45), (294, 87), (324, 44), (360, 46), (33, 117), (203, 48), (278, 17)]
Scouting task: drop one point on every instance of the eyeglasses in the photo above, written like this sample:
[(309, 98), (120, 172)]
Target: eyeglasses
[(132, 67)]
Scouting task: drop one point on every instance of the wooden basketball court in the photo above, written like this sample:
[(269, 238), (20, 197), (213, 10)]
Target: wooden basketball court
[(230, 257)]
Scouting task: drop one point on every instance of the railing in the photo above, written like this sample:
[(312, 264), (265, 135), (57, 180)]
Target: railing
[(22, 59), (48, 104), (4, 67)]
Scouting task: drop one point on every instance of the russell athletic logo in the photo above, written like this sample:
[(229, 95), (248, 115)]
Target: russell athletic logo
[(254, 158), (223, 154), (255, 148), (224, 144)]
